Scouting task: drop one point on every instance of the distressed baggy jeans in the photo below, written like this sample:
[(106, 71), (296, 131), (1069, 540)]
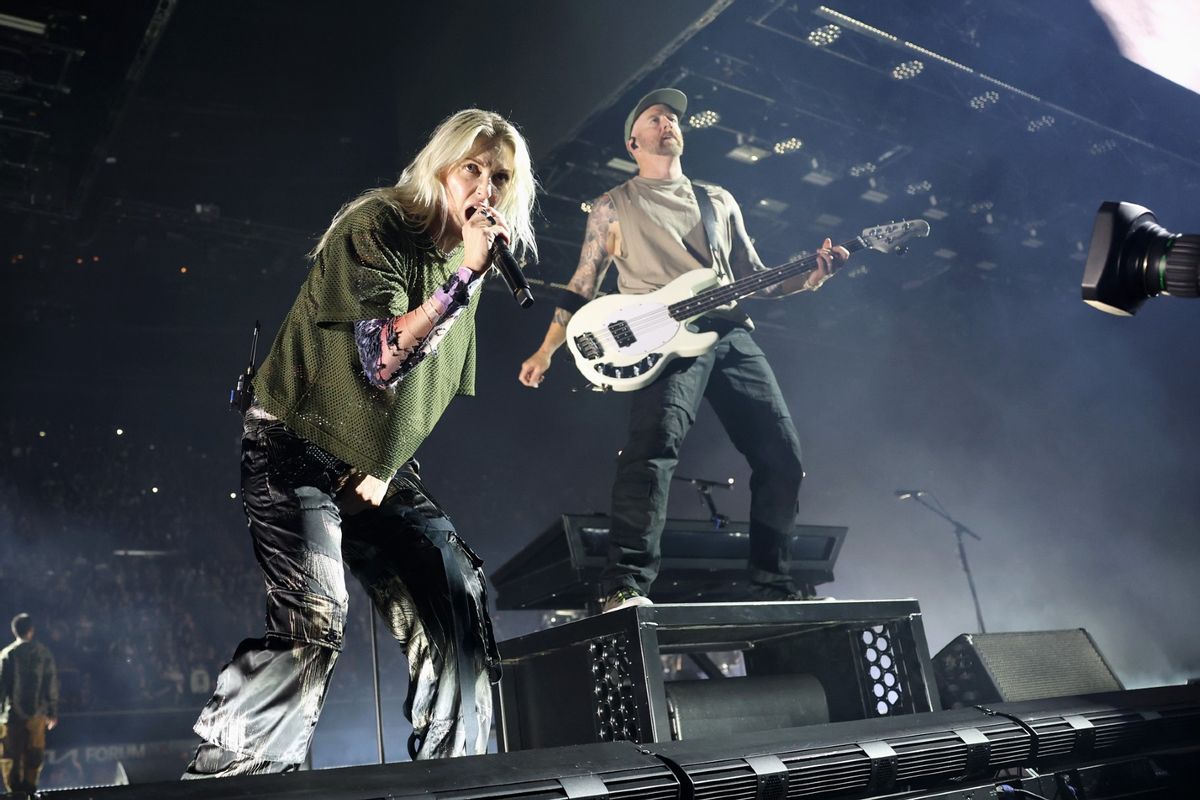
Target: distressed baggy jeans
[(427, 586)]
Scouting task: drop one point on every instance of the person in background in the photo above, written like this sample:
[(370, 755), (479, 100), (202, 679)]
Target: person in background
[(28, 707)]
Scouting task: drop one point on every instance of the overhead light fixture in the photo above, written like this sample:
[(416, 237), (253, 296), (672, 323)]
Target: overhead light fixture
[(818, 177), (1010, 87), (828, 220), (824, 35), (585, 207), (1040, 124), (622, 165), (934, 213), (937, 57), (981, 101), (908, 69), (1033, 242), (788, 145), (748, 154), (772, 205), (865, 168), (983, 205), (858, 25), (918, 188), (22, 24), (986, 266), (944, 252), (874, 196), (1102, 147), (704, 119)]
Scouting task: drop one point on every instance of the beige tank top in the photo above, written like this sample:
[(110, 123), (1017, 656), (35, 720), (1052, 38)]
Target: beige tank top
[(662, 235)]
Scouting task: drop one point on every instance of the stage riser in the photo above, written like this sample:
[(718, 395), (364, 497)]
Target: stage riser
[(938, 754), (805, 663)]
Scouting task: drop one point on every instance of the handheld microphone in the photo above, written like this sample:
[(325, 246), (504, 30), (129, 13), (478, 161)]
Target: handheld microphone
[(510, 270), (905, 494)]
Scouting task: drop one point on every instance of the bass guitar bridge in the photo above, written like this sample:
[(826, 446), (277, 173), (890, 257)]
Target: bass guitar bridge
[(589, 346)]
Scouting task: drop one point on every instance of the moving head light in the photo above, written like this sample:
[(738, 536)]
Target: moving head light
[(1132, 257)]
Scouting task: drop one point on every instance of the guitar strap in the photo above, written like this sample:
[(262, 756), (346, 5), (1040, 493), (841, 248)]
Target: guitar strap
[(708, 217)]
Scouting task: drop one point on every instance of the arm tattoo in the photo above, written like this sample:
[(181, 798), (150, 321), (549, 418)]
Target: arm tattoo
[(594, 257)]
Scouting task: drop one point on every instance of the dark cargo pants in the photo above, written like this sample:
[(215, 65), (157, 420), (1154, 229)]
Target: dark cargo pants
[(425, 583), (740, 386)]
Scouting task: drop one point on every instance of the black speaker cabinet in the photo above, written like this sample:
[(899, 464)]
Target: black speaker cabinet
[(1031, 665), (602, 678)]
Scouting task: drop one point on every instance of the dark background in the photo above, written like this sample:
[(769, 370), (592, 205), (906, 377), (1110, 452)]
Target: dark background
[(223, 140)]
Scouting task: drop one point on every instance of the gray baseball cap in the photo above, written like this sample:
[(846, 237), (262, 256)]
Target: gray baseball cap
[(671, 98)]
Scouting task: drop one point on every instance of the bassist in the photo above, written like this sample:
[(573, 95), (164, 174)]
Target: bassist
[(654, 228)]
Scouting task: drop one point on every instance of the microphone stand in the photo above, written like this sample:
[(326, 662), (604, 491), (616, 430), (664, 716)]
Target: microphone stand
[(705, 488), (960, 530), (375, 681)]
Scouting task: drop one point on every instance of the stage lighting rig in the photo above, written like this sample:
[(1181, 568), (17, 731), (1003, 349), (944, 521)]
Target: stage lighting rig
[(1132, 257)]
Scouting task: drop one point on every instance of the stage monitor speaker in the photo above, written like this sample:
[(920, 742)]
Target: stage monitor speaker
[(985, 668)]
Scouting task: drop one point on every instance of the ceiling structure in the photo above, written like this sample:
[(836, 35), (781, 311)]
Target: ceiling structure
[(978, 118), (824, 120)]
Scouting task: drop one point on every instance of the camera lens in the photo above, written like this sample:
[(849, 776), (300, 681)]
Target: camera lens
[(1132, 258)]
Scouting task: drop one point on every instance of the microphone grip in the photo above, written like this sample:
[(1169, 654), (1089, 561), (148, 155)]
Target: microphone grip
[(510, 270)]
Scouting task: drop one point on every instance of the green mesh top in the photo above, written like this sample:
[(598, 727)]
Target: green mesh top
[(374, 266)]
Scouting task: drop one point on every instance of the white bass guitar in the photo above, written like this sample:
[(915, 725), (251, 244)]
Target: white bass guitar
[(621, 342)]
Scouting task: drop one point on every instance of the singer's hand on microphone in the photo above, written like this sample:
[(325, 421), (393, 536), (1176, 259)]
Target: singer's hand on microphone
[(485, 224)]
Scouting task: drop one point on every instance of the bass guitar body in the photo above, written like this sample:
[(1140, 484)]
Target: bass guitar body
[(622, 342)]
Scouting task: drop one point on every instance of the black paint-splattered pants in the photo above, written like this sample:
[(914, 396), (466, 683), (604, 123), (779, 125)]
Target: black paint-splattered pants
[(426, 584)]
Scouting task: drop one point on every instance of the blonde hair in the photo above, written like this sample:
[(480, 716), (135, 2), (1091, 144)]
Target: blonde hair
[(420, 194)]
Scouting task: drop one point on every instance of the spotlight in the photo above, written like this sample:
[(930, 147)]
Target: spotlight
[(585, 207), (825, 35), (789, 145), (866, 168), (918, 188), (908, 69), (704, 119), (1041, 123), (981, 101), (1102, 147)]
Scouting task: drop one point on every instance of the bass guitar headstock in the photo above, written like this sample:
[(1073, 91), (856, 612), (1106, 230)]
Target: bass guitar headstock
[(894, 237)]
